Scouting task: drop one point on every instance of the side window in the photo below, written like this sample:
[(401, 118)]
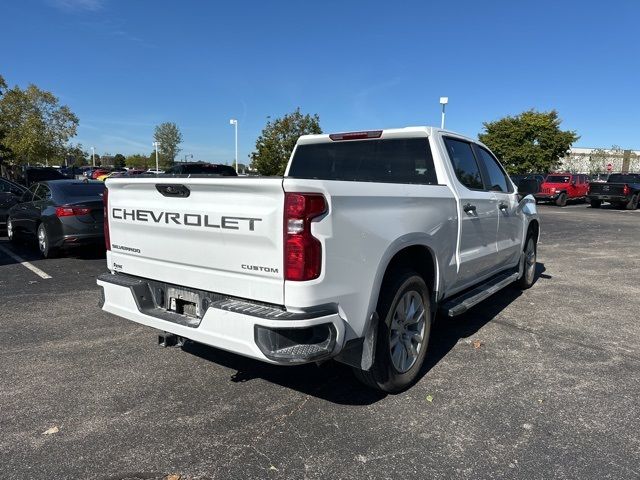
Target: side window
[(497, 178), (464, 163)]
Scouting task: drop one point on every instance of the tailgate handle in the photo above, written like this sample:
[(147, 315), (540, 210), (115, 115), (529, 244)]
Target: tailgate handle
[(172, 190)]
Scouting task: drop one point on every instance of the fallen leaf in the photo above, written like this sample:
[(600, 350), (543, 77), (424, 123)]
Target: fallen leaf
[(273, 468), (429, 398), (173, 476), (51, 431), (477, 344)]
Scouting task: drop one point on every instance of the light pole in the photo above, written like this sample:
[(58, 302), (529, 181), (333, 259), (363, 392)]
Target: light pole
[(93, 156), (187, 155), (443, 102), (157, 144), (234, 122)]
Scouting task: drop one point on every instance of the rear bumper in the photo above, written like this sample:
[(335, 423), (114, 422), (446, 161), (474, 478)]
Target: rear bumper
[(253, 330), (609, 198), (80, 239)]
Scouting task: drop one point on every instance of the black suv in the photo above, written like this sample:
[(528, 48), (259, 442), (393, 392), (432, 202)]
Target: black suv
[(201, 168)]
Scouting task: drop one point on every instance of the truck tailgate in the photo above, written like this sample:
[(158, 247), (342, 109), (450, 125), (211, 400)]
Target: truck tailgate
[(220, 234)]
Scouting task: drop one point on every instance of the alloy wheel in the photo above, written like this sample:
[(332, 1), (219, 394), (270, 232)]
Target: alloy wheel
[(530, 260), (406, 335)]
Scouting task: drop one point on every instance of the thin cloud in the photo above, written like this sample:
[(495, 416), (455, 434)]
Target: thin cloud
[(77, 5)]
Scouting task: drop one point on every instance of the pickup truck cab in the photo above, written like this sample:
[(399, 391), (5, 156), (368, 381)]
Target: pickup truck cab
[(348, 256), (563, 187), (622, 190)]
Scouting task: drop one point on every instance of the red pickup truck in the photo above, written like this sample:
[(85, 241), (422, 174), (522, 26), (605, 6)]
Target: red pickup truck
[(562, 187)]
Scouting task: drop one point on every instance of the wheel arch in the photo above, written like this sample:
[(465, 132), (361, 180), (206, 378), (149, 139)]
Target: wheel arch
[(412, 251)]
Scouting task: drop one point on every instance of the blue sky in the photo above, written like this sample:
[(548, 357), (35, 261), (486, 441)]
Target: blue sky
[(125, 66)]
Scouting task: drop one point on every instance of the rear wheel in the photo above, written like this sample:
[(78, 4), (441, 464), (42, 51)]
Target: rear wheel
[(403, 333), (633, 203), (561, 201), (44, 242), (596, 203)]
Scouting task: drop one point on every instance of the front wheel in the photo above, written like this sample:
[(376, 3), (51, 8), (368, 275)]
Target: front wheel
[(561, 201), (530, 258), (44, 242), (633, 203), (403, 333)]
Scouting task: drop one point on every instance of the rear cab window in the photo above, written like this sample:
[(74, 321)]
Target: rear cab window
[(392, 160)]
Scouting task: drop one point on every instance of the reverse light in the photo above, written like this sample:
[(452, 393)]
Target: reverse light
[(302, 251), (72, 211), (105, 203)]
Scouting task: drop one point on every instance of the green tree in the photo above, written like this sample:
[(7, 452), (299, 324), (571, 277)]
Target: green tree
[(529, 142), (169, 136), (276, 142), (119, 160), (137, 161), (34, 125), (76, 155), (5, 152)]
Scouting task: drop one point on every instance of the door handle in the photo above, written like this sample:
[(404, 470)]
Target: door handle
[(469, 208), (503, 206)]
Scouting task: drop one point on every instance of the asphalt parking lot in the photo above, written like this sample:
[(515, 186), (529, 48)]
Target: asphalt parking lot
[(537, 384)]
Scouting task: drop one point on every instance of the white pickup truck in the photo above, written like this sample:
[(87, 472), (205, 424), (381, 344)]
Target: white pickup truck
[(348, 256)]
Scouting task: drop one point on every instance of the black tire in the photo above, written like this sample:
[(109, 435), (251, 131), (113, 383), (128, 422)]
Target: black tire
[(44, 242), (596, 203), (528, 277), (561, 201), (633, 203), (383, 374)]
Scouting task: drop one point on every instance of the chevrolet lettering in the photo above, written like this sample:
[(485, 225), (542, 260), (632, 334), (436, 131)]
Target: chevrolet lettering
[(347, 256), (187, 219)]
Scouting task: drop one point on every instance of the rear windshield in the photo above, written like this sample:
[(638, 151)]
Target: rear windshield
[(558, 179), (406, 160), (69, 190), (622, 178)]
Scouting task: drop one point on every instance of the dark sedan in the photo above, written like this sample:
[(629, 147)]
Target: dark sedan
[(60, 214), (10, 194)]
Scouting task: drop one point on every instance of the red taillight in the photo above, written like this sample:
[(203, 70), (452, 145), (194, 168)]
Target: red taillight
[(588, 188), (72, 211), (625, 190), (105, 202), (302, 251), (356, 135)]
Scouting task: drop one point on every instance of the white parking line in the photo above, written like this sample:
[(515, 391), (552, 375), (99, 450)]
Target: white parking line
[(24, 263)]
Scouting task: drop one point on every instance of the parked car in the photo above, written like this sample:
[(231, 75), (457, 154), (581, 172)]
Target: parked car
[(201, 168), (621, 190), (59, 214), (100, 171), (40, 174), (528, 184), (348, 256), (154, 171), (563, 187), (10, 194)]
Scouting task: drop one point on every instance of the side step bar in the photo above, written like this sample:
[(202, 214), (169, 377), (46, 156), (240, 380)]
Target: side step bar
[(458, 305)]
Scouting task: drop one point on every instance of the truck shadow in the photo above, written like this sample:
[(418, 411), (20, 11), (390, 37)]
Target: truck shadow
[(335, 382)]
